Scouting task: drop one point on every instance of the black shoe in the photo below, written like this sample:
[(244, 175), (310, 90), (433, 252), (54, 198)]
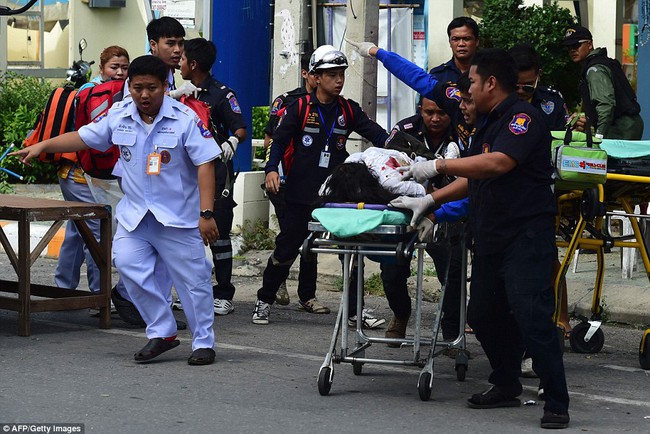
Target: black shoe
[(154, 348), (180, 325), (552, 420), (201, 356), (126, 310), (495, 397)]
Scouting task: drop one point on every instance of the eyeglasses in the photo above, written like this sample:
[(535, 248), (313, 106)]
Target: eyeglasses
[(333, 57), (528, 88)]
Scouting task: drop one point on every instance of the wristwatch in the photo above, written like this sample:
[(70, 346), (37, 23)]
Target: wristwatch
[(207, 214)]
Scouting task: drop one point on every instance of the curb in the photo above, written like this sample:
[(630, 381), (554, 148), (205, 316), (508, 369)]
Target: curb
[(37, 231)]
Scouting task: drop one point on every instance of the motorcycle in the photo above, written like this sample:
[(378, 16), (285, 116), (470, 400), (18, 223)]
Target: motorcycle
[(80, 71)]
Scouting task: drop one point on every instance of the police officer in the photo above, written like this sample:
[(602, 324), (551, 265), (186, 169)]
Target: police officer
[(607, 97), (508, 177), (319, 146), (549, 101), (165, 209), (278, 107), (463, 40), (228, 122)]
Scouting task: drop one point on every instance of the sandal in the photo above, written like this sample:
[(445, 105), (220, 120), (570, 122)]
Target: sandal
[(202, 356), (154, 348)]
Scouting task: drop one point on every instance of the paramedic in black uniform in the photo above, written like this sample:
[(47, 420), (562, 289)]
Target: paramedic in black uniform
[(508, 178), (225, 114), (319, 147)]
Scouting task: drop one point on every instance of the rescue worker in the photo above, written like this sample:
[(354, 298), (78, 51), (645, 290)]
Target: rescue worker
[(508, 176), (319, 146), (463, 37), (608, 100), (549, 101), (168, 182), (196, 62), (277, 107)]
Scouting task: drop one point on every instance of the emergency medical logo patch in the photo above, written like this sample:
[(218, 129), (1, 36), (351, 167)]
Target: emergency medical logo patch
[(234, 105), (205, 132), (485, 148), (275, 107), (453, 93), (547, 107), (307, 140), (341, 120), (100, 117), (165, 157), (519, 124), (340, 143), (126, 153)]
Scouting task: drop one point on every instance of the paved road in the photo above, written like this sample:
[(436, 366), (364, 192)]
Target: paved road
[(264, 379)]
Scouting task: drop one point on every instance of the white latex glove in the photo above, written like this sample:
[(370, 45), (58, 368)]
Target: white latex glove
[(228, 148), (425, 230), (452, 151), (420, 171), (419, 205), (363, 48), (186, 89)]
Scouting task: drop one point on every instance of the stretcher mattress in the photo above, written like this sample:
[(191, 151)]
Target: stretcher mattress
[(627, 157), (349, 222)]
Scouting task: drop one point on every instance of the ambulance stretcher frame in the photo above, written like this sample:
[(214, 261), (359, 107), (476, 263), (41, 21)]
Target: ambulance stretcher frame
[(617, 197), (401, 247)]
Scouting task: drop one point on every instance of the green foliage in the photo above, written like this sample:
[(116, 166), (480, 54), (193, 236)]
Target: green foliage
[(260, 119), (372, 285), (256, 236), (507, 23), (5, 187), (22, 98)]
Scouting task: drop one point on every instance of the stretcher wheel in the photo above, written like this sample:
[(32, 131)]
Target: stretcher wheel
[(461, 371), (590, 206), (644, 350), (325, 381), (357, 368), (577, 340), (424, 386)]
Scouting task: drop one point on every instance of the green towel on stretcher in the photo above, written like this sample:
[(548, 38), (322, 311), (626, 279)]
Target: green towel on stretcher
[(350, 222), (626, 148)]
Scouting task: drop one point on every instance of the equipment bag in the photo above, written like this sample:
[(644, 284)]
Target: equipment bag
[(579, 162), (57, 118), (92, 103)]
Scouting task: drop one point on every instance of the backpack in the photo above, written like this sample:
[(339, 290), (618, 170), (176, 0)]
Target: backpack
[(91, 103), (56, 118), (303, 113)]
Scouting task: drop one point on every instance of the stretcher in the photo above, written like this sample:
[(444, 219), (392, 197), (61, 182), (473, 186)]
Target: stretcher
[(584, 223), (390, 240)]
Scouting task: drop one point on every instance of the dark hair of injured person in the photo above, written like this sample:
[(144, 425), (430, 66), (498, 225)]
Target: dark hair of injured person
[(354, 183)]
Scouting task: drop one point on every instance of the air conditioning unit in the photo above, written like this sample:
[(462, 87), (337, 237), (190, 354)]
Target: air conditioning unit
[(107, 3)]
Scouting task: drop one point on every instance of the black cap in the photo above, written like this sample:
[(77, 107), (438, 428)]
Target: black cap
[(576, 35)]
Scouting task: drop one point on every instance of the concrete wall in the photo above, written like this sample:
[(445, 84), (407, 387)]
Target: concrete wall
[(251, 202)]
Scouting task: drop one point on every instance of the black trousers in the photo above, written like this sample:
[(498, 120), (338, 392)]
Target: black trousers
[(511, 308), (223, 215)]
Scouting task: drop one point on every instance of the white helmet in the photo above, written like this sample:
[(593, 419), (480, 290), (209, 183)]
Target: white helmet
[(327, 57)]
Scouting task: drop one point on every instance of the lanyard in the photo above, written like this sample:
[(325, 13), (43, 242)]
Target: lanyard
[(327, 142)]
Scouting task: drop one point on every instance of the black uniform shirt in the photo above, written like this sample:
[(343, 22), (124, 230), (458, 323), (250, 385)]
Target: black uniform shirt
[(446, 72), (522, 199), (414, 125), (305, 175), (225, 111), (551, 104), (279, 103)]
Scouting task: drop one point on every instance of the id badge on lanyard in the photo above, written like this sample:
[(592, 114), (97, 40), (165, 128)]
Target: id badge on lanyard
[(324, 160), (153, 162)]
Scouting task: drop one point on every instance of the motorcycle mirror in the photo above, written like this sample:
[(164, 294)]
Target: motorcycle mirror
[(82, 46)]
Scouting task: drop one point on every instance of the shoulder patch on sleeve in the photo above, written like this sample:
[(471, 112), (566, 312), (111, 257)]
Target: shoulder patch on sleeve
[(234, 105), (275, 107), (205, 132), (519, 124), (452, 93)]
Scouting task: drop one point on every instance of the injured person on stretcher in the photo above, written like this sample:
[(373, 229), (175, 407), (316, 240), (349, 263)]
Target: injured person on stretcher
[(373, 177)]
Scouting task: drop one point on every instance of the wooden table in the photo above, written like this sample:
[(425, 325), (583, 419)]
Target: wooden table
[(25, 210)]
